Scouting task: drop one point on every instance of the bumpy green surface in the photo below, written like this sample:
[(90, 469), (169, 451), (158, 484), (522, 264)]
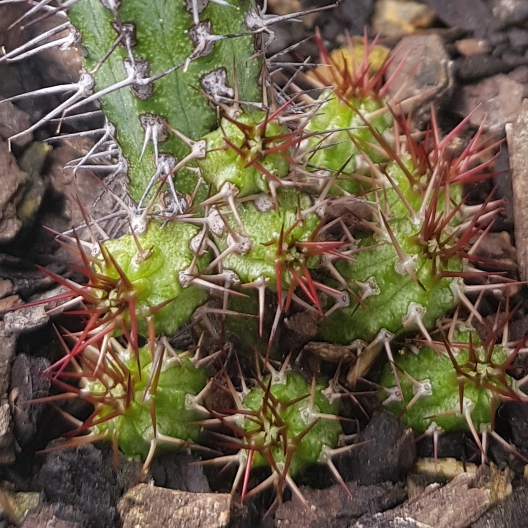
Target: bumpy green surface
[(155, 279), (163, 39), (224, 164), (337, 139), (413, 191), (173, 417), (296, 418), (336, 151), (439, 371), (264, 229), (397, 291)]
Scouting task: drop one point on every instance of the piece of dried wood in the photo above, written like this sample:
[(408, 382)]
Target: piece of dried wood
[(455, 505), (153, 507), (517, 136)]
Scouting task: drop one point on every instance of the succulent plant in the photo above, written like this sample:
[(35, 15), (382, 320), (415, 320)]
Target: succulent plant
[(348, 115), (144, 400), (455, 384), (133, 283), (409, 270), (236, 189), (285, 424)]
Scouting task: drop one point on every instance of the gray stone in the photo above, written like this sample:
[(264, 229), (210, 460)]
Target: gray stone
[(494, 101), (13, 181), (62, 65), (470, 15), (12, 121), (518, 39), (509, 12), (454, 505), (56, 515), (333, 507), (386, 451), (426, 75), (22, 188), (25, 319), (7, 444), (7, 352), (85, 187), (475, 67), (513, 511), (83, 478), (28, 384)]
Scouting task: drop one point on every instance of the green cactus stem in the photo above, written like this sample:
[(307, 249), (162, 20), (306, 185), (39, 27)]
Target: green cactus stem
[(346, 115), (455, 386), (285, 424), (330, 203), (408, 271), (149, 267), (246, 152), (164, 41), (144, 400), (263, 225), (138, 285)]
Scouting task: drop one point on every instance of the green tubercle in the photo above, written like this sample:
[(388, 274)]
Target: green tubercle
[(237, 154), (405, 271), (264, 226), (335, 151), (432, 388), (389, 293), (285, 421), (154, 277), (179, 380)]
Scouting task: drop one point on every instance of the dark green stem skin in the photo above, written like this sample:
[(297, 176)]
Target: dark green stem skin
[(161, 29)]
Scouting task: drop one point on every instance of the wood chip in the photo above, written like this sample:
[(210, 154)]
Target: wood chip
[(517, 136), (456, 505), (152, 507)]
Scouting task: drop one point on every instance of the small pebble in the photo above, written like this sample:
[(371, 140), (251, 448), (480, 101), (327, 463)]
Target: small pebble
[(395, 18), (495, 101), (471, 46), (471, 15)]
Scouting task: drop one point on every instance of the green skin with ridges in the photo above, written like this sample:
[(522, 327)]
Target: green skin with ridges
[(338, 152), (397, 290), (391, 202), (162, 39), (264, 230), (173, 418), (438, 369), (309, 450), (155, 279), (223, 164)]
